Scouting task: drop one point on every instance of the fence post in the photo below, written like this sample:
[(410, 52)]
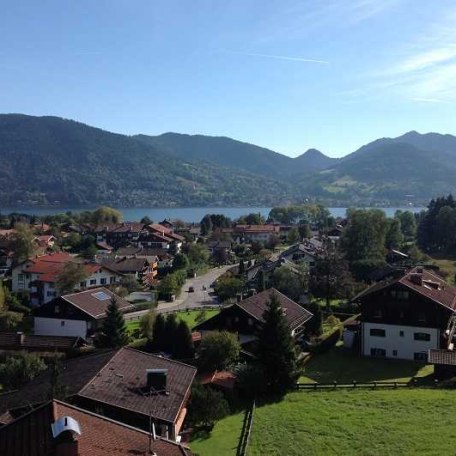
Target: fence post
[(354, 383), (335, 384)]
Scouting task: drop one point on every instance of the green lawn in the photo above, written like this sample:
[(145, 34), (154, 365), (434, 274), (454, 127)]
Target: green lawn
[(222, 441), (356, 423), (344, 366), (447, 264), (189, 317)]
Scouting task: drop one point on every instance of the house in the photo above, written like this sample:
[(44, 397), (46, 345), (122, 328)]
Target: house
[(126, 385), (11, 342), (77, 314), (254, 233), (246, 316), (159, 234), (302, 253), (137, 267), (39, 276), (44, 241), (406, 315), (57, 428)]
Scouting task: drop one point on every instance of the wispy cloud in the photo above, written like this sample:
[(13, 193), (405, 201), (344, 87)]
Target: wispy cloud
[(429, 100), (425, 69), (284, 57)]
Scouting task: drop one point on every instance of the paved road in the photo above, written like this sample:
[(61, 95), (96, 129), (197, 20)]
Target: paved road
[(189, 300)]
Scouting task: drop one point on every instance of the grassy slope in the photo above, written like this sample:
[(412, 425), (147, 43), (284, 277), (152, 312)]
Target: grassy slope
[(364, 423), (344, 366), (222, 441)]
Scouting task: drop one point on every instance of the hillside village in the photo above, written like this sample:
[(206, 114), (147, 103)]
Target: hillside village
[(172, 338)]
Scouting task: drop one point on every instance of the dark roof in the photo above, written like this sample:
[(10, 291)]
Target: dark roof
[(31, 435), (20, 341), (257, 304), (422, 282), (446, 357), (122, 382), (117, 378), (74, 374), (126, 265), (95, 301)]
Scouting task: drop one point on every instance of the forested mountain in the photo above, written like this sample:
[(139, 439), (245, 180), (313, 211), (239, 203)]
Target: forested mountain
[(236, 154), (45, 160), (49, 160)]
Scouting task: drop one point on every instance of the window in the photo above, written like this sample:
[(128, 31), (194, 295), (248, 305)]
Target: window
[(401, 333), (422, 317), (236, 319), (393, 293), (62, 323), (103, 281), (403, 294), (377, 332), (20, 277), (401, 314), (378, 352), (250, 321), (57, 309), (378, 313), (422, 336), (420, 356), (394, 352), (112, 279), (93, 281), (51, 294), (83, 284)]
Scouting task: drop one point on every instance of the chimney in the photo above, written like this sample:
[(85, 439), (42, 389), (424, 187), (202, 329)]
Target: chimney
[(416, 278), (64, 431), (157, 380)]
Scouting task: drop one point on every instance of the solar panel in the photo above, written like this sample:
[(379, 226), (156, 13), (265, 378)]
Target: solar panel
[(101, 296)]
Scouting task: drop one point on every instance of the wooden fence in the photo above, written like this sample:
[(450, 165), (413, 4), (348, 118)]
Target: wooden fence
[(365, 385), (246, 431)]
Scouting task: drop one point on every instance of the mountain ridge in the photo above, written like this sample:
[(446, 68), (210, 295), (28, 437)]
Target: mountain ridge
[(50, 160)]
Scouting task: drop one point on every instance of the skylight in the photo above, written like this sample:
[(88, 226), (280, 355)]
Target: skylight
[(101, 296)]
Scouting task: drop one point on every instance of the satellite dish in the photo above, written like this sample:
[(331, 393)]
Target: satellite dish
[(63, 424)]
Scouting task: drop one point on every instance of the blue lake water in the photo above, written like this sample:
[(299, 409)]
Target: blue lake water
[(187, 214)]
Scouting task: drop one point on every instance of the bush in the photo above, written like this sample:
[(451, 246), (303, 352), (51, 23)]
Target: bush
[(19, 369), (218, 350), (206, 406), (327, 341)]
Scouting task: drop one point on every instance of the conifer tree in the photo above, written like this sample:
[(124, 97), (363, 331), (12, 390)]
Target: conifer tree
[(169, 342), (277, 352), (158, 332), (241, 268), (183, 342), (114, 329)]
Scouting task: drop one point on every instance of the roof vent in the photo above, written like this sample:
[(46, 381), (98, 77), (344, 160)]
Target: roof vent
[(63, 424), (157, 380)]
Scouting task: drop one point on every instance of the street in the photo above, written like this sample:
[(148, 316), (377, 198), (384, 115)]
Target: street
[(189, 300)]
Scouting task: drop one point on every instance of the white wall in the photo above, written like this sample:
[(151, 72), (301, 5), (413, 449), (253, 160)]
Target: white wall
[(53, 327), (405, 345)]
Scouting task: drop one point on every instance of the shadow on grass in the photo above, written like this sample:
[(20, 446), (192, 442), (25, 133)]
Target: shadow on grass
[(342, 365)]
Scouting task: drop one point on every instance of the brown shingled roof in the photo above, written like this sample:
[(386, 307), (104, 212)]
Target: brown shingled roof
[(18, 341), (122, 382), (421, 281), (257, 304), (31, 435), (445, 357), (90, 302)]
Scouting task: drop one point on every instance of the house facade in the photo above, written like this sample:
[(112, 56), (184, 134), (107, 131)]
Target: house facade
[(76, 314), (407, 316)]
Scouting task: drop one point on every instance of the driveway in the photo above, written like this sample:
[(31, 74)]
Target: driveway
[(189, 300)]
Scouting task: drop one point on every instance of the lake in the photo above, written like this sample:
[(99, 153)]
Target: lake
[(187, 214)]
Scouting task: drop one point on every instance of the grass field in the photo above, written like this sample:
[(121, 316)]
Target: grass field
[(344, 366), (222, 441), (188, 316), (447, 264), (359, 423)]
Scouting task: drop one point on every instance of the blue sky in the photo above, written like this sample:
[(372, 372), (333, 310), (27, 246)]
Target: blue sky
[(288, 75)]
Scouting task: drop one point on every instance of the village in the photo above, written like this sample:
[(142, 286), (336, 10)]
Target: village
[(173, 338)]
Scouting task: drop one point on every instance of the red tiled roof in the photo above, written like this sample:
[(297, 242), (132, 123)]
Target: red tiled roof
[(257, 304), (165, 231), (31, 435), (256, 228), (223, 379)]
